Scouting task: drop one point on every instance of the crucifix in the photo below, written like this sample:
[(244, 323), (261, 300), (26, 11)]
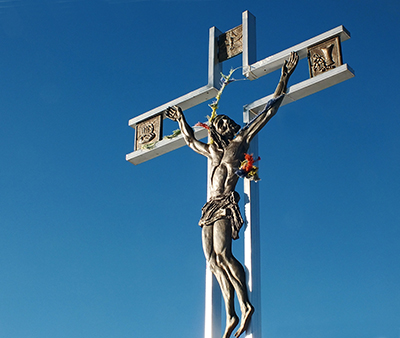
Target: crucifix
[(228, 143)]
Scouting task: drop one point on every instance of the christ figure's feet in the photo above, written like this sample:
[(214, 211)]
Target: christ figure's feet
[(231, 323), (246, 316)]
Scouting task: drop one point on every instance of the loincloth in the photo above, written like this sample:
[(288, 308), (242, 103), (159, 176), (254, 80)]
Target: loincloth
[(223, 207)]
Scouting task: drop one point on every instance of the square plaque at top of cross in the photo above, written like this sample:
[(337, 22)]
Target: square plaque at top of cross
[(230, 43)]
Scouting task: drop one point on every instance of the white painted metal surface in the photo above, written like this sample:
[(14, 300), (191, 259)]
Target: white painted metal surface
[(212, 314), (249, 55), (186, 101), (252, 247), (214, 66), (251, 195), (307, 87)]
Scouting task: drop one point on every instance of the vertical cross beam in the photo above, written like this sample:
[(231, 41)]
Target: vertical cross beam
[(252, 248), (212, 314), (212, 327), (252, 255)]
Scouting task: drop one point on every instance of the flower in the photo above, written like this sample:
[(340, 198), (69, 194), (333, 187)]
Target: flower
[(200, 124), (248, 169)]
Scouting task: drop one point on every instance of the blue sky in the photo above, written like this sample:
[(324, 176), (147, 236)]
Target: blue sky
[(92, 246)]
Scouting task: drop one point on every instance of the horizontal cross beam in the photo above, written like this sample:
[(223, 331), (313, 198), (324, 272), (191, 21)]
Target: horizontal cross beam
[(187, 101), (306, 87), (162, 147), (295, 92), (274, 62)]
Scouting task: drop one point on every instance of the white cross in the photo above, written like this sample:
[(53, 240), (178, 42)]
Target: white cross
[(252, 69)]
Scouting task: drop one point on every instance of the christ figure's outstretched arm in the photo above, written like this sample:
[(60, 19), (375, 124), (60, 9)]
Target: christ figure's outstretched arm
[(261, 120), (175, 113)]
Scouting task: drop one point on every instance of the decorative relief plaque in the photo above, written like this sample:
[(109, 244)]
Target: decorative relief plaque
[(148, 131), (324, 56), (230, 43)]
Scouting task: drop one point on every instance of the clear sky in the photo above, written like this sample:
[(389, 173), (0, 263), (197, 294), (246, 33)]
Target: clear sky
[(92, 246)]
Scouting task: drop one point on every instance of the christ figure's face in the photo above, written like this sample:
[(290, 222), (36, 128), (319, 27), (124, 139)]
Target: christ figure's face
[(226, 127)]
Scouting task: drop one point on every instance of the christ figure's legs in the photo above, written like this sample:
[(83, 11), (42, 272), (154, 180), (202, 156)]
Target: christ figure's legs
[(234, 270), (226, 287), (217, 245)]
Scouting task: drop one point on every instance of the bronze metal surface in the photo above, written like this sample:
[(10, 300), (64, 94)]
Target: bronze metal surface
[(324, 56), (230, 43), (148, 131)]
